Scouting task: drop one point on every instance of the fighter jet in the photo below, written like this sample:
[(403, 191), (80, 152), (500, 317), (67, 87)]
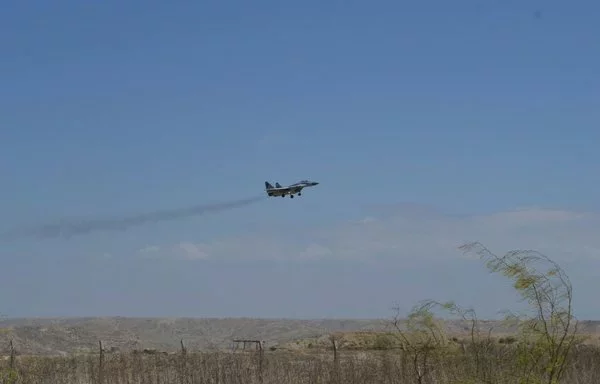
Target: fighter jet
[(292, 189)]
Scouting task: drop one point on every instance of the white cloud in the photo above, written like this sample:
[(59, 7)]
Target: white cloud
[(149, 249), (191, 251), (184, 250), (315, 251), (410, 236)]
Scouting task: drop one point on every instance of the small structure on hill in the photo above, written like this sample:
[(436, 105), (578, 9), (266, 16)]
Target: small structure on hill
[(258, 344)]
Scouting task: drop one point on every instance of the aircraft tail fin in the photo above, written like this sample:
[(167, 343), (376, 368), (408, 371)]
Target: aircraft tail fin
[(268, 185), (277, 185)]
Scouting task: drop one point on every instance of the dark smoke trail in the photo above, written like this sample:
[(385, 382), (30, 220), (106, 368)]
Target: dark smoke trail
[(67, 228)]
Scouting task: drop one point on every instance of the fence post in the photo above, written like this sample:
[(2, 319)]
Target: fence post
[(334, 345), (336, 362), (101, 364), (12, 354), (260, 361), (184, 375)]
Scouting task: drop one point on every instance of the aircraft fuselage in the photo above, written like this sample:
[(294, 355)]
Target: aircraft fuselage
[(290, 190)]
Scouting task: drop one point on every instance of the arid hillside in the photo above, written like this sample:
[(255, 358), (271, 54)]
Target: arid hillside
[(73, 335)]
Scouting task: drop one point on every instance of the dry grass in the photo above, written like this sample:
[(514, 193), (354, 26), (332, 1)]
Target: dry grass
[(496, 363)]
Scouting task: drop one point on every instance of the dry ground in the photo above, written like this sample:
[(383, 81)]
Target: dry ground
[(67, 336)]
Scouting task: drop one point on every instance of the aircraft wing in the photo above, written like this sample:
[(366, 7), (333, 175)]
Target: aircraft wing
[(287, 189)]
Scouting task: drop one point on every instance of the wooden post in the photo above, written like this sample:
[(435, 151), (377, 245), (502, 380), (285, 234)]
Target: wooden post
[(12, 355), (334, 344), (184, 376), (259, 345), (336, 362), (101, 364)]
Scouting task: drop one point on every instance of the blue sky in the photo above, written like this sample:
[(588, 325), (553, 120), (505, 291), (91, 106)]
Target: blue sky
[(433, 120)]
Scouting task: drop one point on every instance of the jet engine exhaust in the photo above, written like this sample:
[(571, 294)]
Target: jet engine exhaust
[(71, 227)]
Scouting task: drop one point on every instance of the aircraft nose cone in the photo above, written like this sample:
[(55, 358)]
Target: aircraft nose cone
[(315, 183)]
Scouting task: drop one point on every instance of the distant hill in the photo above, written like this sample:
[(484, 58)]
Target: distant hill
[(72, 335)]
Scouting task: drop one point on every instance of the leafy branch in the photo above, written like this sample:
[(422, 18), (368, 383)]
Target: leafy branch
[(549, 333)]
